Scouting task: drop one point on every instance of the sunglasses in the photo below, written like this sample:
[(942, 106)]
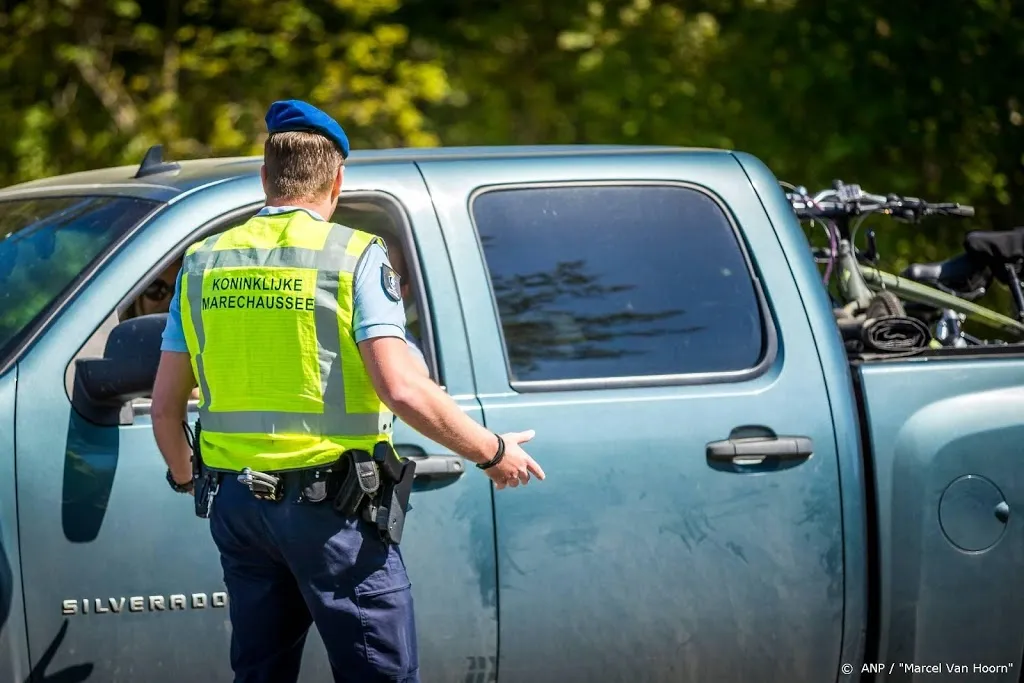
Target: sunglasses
[(157, 291)]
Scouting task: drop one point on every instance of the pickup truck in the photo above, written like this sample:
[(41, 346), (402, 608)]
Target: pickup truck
[(729, 495)]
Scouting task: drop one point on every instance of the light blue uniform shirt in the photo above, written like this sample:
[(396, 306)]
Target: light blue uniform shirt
[(375, 313)]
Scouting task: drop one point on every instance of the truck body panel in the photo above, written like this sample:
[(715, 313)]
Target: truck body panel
[(636, 554), (13, 643), (842, 402), (946, 441)]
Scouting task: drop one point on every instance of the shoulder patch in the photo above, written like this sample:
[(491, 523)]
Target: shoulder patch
[(390, 282)]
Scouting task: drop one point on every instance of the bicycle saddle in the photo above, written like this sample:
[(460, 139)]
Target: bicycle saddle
[(960, 273)]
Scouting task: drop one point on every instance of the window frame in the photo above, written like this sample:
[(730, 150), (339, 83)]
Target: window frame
[(769, 330), (399, 216), (386, 202)]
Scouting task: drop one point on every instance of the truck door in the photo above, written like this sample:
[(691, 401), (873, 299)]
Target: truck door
[(121, 575), (13, 648), (637, 311)]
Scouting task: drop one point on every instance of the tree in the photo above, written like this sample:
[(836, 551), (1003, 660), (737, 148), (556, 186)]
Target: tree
[(898, 97), (93, 83)]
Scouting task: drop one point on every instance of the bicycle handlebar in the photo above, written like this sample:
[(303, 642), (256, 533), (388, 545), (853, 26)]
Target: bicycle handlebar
[(850, 200)]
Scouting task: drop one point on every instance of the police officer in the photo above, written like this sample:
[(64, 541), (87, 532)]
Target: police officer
[(293, 329)]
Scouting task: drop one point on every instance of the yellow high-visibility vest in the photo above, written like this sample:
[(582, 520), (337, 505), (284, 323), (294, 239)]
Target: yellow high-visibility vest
[(266, 309)]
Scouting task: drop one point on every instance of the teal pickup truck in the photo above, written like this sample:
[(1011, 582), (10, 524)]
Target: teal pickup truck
[(729, 495)]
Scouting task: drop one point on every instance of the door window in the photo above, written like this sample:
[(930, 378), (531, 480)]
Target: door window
[(612, 281)]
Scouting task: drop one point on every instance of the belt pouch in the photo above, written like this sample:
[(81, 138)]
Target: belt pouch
[(313, 485), (361, 481)]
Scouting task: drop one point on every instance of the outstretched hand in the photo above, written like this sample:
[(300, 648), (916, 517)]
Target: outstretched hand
[(516, 467)]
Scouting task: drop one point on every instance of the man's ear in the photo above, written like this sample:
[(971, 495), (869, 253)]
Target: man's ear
[(263, 178), (336, 188)]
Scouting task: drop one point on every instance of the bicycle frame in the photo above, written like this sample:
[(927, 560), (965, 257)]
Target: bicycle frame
[(857, 283), (878, 280)]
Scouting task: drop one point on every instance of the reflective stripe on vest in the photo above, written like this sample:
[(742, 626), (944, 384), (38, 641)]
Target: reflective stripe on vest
[(288, 387)]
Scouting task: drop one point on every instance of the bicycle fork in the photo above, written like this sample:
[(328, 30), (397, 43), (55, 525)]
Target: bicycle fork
[(852, 286)]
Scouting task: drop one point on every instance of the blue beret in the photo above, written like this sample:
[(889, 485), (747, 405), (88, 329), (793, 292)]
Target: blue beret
[(290, 115)]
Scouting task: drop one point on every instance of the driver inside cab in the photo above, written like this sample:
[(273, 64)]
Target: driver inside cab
[(156, 298)]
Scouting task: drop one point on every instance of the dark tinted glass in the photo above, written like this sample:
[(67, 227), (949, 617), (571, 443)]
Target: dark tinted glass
[(46, 243), (617, 281)]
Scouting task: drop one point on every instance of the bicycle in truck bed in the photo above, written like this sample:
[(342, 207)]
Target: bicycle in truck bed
[(941, 295)]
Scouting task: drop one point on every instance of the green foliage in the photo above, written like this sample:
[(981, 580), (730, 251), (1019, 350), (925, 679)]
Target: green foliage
[(88, 84), (900, 97), (905, 97)]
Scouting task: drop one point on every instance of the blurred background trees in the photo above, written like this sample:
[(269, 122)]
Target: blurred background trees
[(914, 96)]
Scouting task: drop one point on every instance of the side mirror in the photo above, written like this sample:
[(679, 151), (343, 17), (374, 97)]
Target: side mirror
[(103, 386)]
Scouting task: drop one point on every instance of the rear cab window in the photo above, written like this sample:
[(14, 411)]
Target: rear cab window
[(618, 281), (46, 244)]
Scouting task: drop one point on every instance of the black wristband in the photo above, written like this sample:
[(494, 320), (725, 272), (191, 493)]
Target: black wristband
[(497, 457), (179, 488)]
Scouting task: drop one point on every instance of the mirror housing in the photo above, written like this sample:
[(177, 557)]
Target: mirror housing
[(104, 386)]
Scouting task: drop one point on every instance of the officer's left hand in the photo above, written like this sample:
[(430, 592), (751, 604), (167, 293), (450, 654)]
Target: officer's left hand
[(184, 480), (516, 466)]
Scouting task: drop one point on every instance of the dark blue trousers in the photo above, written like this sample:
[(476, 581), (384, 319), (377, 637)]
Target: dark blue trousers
[(289, 565)]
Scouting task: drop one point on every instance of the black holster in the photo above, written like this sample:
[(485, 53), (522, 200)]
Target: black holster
[(205, 481), (377, 488)]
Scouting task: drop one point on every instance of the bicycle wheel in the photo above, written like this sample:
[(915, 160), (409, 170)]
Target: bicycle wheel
[(884, 304)]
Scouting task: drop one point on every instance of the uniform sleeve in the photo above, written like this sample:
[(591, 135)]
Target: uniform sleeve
[(174, 335), (375, 314)]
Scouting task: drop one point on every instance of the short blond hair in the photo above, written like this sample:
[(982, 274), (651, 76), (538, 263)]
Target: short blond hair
[(300, 165)]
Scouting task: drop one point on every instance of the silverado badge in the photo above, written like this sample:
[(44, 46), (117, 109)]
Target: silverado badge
[(139, 603)]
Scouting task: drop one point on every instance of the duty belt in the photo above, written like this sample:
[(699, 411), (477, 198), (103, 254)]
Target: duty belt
[(375, 487)]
